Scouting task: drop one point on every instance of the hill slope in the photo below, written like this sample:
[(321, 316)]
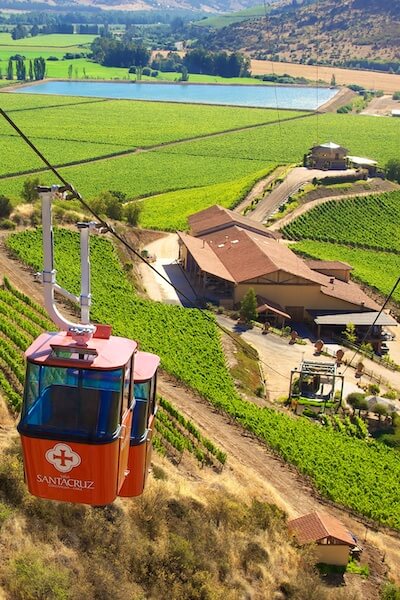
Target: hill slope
[(340, 32)]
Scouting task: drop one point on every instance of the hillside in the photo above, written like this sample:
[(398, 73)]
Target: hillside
[(208, 6), (328, 32)]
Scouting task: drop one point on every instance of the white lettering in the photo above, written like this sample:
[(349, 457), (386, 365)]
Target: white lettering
[(65, 482)]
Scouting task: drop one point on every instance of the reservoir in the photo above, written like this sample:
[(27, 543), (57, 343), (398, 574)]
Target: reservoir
[(262, 96)]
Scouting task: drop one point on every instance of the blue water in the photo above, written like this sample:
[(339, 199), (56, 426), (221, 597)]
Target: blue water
[(307, 98)]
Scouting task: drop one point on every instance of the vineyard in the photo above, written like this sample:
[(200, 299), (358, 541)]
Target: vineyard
[(170, 211), (22, 320), (359, 474), (371, 222), (377, 269)]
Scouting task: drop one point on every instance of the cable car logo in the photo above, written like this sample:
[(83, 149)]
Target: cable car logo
[(63, 458)]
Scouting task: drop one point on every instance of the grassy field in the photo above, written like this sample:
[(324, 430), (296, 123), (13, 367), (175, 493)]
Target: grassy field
[(377, 269), (219, 21), (51, 40)]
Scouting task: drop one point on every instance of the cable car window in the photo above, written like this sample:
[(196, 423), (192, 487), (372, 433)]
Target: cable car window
[(72, 403), (153, 398), (139, 423), (126, 401)]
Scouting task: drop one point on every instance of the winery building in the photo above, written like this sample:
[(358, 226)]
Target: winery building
[(225, 254)]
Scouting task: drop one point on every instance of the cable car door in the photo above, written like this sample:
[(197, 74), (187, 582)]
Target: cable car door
[(126, 426)]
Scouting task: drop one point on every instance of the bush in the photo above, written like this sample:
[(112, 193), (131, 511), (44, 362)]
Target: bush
[(390, 592), (132, 213), (374, 389), (30, 578), (5, 206), (154, 73), (390, 394), (146, 71), (7, 224), (132, 69), (396, 96), (29, 192), (52, 58)]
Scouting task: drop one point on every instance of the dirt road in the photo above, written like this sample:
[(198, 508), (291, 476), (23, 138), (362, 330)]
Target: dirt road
[(381, 107), (266, 474), (293, 182)]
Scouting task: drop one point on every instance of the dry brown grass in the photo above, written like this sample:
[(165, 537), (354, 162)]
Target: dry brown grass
[(386, 82), (188, 536)]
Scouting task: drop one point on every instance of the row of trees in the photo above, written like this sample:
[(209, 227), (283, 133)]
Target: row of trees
[(111, 52), (36, 69)]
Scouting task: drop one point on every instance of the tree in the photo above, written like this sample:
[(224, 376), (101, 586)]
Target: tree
[(333, 80), (108, 204), (392, 169), (39, 67), (29, 192), (31, 75), (185, 75), (357, 401), (10, 69), (350, 333), (19, 32), (70, 71), (132, 212), (248, 306), (5, 207), (380, 410)]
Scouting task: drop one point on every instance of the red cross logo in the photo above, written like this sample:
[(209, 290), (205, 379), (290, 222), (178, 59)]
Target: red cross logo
[(63, 458)]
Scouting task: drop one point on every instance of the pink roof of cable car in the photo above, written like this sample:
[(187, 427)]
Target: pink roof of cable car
[(145, 366), (112, 353)]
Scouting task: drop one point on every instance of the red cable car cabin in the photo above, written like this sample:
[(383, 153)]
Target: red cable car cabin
[(76, 417), (145, 380)]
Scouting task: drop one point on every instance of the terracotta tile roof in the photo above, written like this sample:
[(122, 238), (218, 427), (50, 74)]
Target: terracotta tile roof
[(317, 526), (205, 257), (217, 217), (333, 265), (349, 292)]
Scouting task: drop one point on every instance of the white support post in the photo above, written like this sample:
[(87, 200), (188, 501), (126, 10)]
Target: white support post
[(84, 330)]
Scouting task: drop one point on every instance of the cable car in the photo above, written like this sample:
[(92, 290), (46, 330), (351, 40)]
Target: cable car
[(79, 404), (145, 383)]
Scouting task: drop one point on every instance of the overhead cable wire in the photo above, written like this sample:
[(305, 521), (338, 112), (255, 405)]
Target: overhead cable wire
[(120, 238), (388, 298)]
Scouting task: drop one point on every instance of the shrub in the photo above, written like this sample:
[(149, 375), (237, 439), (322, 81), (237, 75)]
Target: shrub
[(7, 224), (154, 73), (132, 213), (132, 69), (30, 578), (396, 96), (374, 389), (248, 306), (146, 71), (29, 192), (390, 394), (52, 58), (5, 206)]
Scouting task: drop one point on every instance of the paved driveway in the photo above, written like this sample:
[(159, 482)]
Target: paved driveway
[(293, 182)]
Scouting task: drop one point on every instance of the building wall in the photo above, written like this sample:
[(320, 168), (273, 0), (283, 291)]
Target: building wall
[(343, 274), (332, 554), (308, 296)]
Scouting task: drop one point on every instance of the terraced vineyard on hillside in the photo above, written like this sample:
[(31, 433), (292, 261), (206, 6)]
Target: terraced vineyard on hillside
[(22, 320), (363, 231), (366, 222), (360, 474)]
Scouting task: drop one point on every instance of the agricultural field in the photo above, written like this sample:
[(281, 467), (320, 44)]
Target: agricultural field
[(287, 143), (21, 320), (130, 123), (169, 212), (51, 40), (371, 222), (379, 270), (190, 348)]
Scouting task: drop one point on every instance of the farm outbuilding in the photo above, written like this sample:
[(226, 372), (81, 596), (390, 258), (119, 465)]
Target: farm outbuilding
[(333, 542)]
